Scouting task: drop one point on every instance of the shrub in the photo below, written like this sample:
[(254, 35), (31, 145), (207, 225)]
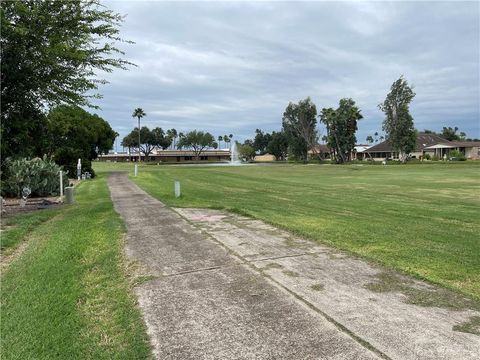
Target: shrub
[(456, 155), (427, 157), (435, 157), (40, 175)]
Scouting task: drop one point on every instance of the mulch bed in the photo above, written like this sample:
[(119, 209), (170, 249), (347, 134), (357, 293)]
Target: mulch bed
[(13, 206)]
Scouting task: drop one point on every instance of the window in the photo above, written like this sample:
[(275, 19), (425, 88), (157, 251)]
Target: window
[(188, 158), (203, 157)]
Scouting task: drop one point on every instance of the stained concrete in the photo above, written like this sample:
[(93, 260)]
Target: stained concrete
[(338, 285), (233, 287)]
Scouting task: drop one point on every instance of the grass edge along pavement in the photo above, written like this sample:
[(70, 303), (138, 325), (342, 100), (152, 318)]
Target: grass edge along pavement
[(421, 220), (68, 295)]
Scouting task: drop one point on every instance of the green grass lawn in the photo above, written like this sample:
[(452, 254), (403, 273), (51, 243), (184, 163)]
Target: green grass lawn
[(15, 229), (421, 219), (68, 296)]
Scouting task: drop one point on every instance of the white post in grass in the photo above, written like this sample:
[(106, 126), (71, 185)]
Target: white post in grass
[(79, 169), (177, 189), (61, 185), (136, 170)]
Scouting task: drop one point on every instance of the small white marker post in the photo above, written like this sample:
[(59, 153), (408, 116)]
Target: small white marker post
[(61, 185), (79, 169), (177, 189), (136, 170)]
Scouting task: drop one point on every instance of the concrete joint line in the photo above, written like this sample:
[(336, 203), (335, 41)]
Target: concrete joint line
[(308, 304), (285, 256), (200, 270)]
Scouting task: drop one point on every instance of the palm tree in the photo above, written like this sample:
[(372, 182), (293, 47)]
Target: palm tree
[(220, 138), (376, 136), (139, 113), (230, 140)]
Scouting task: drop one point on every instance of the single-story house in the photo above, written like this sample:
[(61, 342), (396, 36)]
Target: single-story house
[(431, 144), (471, 149), (169, 156)]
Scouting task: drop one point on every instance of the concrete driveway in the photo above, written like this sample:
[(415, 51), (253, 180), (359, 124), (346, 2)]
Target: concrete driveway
[(222, 286)]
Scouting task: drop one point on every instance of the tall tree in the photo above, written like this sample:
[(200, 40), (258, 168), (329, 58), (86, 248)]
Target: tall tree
[(278, 145), (299, 124), (76, 134), (369, 139), (341, 127), (226, 139), (261, 141), (139, 113), (51, 53), (198, 141), (398, 124), (220, 139)]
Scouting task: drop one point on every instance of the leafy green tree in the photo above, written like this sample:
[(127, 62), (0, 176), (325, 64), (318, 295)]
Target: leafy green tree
[(278, 145), (51, 52), (299, 123), (149, 140), (369, 139), (261, 141), (398, 124), (450, 134), (74, 134), (198, 141), (341, 127), (245, 151)]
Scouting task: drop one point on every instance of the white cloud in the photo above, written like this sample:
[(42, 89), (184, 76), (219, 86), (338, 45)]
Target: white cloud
[(230, 67)]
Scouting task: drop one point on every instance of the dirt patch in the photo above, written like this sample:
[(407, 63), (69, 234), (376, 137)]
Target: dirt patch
[(317, 287), (421, 295)]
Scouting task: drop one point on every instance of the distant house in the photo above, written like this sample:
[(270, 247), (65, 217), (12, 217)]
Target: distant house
[(321, 151), (170, 156), (427, 144), (471, 149)]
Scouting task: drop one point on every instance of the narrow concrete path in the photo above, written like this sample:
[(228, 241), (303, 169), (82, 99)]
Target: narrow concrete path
[(228, 287)]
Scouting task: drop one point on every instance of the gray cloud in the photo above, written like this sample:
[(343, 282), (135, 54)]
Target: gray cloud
[(230, 67)]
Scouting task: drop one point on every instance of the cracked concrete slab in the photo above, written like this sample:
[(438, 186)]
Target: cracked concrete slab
[(209, 303), (340, 286)]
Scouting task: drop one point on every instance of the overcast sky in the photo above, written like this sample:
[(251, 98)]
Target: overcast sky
[(232, 67)]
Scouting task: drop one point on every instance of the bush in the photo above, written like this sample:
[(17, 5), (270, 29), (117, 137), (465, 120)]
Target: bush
[(456, 155), (40, 175), (427, 157), (435, 157), (68, 158)]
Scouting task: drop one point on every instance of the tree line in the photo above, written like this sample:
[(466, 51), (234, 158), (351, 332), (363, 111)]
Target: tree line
[(299, 134)]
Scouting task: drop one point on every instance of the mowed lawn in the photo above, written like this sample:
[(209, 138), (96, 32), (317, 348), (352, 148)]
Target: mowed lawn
[(68, 296), (421, 219)]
